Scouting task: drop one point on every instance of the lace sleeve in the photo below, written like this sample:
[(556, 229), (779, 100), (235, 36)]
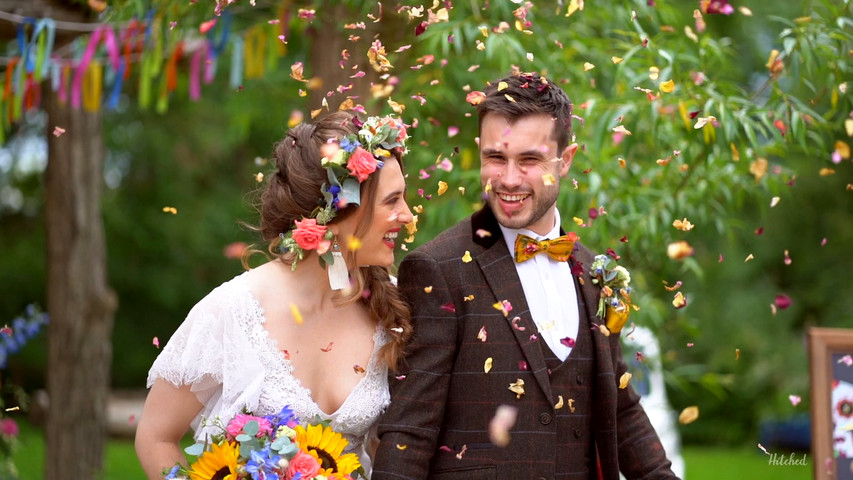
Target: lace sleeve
[(203, 353)]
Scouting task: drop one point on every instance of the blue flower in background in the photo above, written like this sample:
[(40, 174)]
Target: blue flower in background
[(23, 330)]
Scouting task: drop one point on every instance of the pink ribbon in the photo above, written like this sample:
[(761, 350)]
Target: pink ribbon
[(112, 50)]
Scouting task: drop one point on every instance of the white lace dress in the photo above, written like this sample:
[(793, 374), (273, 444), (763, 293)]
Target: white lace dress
[(223, 351)]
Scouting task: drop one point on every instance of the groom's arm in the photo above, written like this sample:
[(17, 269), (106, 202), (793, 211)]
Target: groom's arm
[(409, 429)]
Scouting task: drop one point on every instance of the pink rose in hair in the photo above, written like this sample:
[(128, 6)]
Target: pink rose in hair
[(308, 235), (235, 426), (361, 164), (303, 464), (8, 427)]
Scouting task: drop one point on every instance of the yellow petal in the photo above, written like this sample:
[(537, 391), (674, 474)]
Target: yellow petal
[(843, 149), (468, 298), (624, 379), (442, 187), (559, 404), (621, 129), (549, 179), (353, 243), (667, 86), (502, 86), (587, 66), (428, 289), (688, 415), (654, 72), (467, 257), (517, 388), (825, 172), (297, 316), (616, 60), (488, 365)]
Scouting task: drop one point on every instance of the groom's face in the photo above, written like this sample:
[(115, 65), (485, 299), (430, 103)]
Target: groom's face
[(520, 170)]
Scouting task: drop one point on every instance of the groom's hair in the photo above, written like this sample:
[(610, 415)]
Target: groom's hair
[(523, 94)]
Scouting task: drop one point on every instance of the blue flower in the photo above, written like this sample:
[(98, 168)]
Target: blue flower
[(349, 144), (262, 465), (284, 417), (173, 473)]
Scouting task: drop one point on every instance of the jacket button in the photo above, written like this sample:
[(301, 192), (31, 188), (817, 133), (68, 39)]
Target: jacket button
[(577, 433), (544, 418), (580, 379)]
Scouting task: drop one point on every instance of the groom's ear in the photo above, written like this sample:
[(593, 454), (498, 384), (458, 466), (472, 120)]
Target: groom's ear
[(566, 158)]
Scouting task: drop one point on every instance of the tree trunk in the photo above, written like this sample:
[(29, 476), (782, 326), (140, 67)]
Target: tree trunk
[(79, 300)]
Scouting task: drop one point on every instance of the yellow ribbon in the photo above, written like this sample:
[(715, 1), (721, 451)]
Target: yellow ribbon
[(93, 86)]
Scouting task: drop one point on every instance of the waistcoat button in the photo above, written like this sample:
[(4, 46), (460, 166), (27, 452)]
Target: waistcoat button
[(577, 433), (545, 418), (580, 379)]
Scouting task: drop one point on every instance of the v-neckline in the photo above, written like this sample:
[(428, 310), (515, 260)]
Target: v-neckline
[(275, 352)]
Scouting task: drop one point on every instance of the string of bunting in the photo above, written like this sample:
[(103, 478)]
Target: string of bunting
[(101, 63)]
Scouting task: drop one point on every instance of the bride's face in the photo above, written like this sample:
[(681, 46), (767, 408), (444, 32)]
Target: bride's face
[(390, 214)]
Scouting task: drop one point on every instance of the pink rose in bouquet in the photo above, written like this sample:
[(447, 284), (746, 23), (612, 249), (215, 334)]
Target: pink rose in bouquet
[(235, 426), (303, 464), (308, 234), (361, 164)]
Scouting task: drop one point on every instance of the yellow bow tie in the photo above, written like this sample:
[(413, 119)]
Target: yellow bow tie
[(560, 248)]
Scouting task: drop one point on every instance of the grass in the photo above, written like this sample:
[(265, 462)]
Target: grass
[(703, 463)]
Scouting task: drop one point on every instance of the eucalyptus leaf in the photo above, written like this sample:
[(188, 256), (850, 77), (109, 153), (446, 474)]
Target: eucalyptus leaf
[(195, 450)]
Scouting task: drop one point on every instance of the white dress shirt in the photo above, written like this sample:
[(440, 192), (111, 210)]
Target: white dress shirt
[(550, 291)]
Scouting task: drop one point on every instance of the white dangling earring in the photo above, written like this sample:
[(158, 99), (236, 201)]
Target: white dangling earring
[(338, 273)]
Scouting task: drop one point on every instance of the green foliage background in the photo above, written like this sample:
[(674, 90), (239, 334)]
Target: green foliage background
[(201, 157)]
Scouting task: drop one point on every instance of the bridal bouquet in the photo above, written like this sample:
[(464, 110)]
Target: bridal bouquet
[(274, 447)]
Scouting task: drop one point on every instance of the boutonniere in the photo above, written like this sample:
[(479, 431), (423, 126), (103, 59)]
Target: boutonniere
[(615, 300)]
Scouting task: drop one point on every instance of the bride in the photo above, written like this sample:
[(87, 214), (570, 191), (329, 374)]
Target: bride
[(315, 328)]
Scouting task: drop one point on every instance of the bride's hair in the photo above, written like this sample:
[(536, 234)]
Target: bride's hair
[(295, 191)]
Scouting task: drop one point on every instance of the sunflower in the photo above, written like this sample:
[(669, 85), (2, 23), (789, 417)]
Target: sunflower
[(327, 446), (220, 463)]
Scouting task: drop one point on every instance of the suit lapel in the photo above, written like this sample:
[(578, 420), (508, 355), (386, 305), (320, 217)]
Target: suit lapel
[(499, 271)]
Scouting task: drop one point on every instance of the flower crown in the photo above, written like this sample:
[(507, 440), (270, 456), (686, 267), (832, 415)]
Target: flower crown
[(348, 161)]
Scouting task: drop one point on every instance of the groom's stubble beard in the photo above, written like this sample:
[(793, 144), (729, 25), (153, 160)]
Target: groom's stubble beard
[(542, 200)]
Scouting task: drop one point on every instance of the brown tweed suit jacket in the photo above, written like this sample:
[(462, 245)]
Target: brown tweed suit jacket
[(443, 400)]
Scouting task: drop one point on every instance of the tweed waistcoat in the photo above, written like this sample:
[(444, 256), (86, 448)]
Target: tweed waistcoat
[(573, 380)]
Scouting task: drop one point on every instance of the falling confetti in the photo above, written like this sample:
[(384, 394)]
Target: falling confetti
[(482, 335), (559, 404), (782, 301), (487, 366), (688, 415), (442, 187), (297, 315), (515, 325), (503, 306), (679, 301), (501, 423), (763, 449), (428, 289), (467, 257), (358, 369), (172, 210), (679, 250), (624, 379), (517, 388), (156, 342), (683, 225), (328, 347), (402, 447), (794, 399), (58, 131)]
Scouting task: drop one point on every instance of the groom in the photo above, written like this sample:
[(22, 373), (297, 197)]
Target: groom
[(498, 324)]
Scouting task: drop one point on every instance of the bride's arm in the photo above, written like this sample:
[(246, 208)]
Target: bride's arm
[(165, 419)]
